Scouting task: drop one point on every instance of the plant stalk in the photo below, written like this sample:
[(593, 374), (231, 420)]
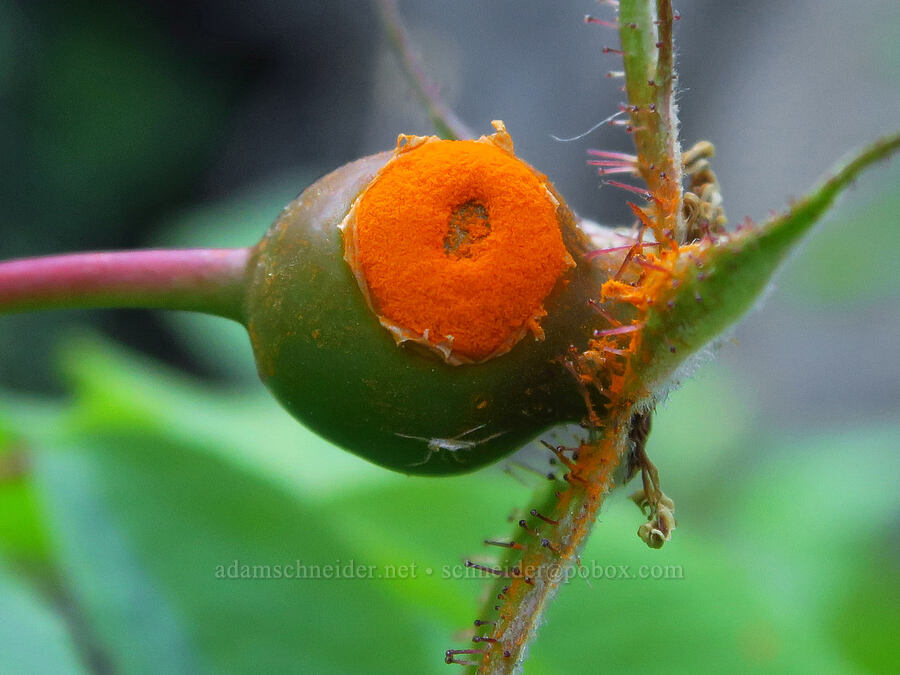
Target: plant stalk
[(200, 280)]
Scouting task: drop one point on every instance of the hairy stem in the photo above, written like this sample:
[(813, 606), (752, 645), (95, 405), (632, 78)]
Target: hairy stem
[(445, 121), (645, 29), (545, 549), (548, 542), (201, 280)]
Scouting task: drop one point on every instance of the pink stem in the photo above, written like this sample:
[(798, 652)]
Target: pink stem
[(202, 280)]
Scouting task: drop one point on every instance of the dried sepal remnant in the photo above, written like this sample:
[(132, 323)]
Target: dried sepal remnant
[(456, 245)]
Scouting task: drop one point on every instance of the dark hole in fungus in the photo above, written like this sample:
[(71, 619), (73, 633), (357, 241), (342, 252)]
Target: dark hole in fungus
[(469, 224)]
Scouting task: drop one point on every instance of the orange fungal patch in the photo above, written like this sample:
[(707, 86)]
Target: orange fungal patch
[(456, 245)]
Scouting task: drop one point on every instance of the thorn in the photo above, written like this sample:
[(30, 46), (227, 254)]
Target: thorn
[(504, 544), (451, 654), (491, 570), (558, 453), (537, 514), (600, 22), (619, 330), (613, 249), (546, 544), (596, 305), (607, 154), (610, 172), (610, 50), (643, 216), (614, 163), (524, 525), (572, 476), (632, 188), (649, 265)]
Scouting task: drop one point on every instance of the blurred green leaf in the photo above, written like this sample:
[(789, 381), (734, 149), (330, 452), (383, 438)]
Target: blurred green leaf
[(851, 257), (145, 524), (116, 389), (161, 480), (866, 617), (33, 637), (22, 534), (706, 616)]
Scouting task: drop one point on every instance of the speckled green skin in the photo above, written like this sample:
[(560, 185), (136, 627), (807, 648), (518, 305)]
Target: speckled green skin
[(323, 354)]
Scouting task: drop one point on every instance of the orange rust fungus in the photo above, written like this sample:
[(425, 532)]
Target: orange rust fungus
[(456, 245)]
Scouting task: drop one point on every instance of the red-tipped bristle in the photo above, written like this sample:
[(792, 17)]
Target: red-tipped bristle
[(631, 188), (602, 251), (600, 22), (607, 154), (610, 163), (599, 308), (649, 265), (619, 330), (609, 172)]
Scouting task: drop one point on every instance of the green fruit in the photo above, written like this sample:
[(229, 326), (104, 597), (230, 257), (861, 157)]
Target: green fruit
[(323, 353)]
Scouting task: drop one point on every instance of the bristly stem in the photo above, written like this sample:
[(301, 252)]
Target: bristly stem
[(550, 541), (201, 280), (445, 121), (649, 56), (549, 544)]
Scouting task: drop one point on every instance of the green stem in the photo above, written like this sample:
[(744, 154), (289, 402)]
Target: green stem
[(548, 548), (200, 280), (649, 56)]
